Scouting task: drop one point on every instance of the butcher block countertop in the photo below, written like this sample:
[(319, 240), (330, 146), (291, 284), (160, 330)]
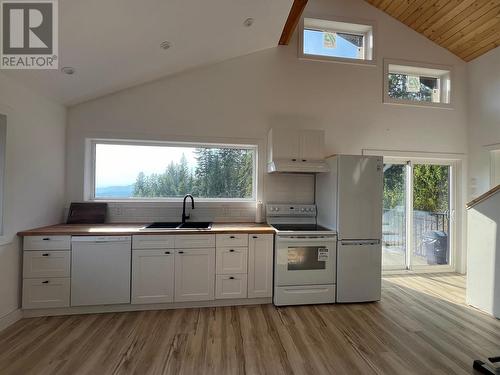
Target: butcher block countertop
[(139, 228)]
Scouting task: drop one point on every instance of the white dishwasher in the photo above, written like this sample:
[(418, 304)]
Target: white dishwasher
[(100, 270)]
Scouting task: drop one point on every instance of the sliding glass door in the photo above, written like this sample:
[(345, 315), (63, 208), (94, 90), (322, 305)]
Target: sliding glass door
[(431, 215), (418, 207), (394, 246)]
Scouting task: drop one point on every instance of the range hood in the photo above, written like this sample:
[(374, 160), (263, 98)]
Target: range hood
[(289, 166), (292, 150)]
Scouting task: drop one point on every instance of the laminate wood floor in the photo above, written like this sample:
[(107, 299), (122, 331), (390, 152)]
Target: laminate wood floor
[(421, 326)]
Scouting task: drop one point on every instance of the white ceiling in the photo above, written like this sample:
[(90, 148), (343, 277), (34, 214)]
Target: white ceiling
[(115, 44)]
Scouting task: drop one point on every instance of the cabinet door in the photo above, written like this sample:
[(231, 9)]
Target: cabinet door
[(194, 274), (284, 144), (152, 276), (260, 265), (312, 144)]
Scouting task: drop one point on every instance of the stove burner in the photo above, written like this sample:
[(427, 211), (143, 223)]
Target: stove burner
[(300, 227)]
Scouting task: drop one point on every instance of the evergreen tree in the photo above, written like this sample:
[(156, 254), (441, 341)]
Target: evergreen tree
[(430, 187), (398, 90), (219, 173), (140, 185)]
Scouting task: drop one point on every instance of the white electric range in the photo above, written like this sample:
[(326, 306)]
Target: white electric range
[(304, 258)]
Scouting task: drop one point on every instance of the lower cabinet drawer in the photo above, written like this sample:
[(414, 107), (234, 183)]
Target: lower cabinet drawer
[(194, 241), (231, 286), (304, 295), (47, 243), (46, 293), (231, 260), (160, 241), (46, 264)]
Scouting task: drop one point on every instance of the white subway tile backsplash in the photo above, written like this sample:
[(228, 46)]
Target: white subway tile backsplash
[(278, 188), (148, 212), (290, 188)]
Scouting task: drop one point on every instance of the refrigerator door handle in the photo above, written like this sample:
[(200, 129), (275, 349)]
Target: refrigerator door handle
[(359, 242)]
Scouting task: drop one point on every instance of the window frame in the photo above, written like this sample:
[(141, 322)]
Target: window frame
[(90, 177), (387, 99), (3, 166), (369, 38)]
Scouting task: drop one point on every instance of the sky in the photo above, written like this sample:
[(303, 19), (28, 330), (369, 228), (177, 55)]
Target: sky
[(313, 45), (119, 165)]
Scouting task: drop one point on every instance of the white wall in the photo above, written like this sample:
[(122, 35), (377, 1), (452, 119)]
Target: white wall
[(484, 118), (483, 258), (35, 176), (243, 97)]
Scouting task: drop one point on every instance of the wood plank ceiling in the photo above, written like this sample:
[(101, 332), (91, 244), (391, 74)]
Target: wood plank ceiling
[(467, 28)]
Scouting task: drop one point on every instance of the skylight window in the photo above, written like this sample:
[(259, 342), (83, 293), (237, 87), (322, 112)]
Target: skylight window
[(422, 84), (337, 41)]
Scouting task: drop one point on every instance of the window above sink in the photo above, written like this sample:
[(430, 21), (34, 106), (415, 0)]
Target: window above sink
[(166, 171)]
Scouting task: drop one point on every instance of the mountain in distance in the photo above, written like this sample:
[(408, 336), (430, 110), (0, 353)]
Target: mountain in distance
[(115, 191)]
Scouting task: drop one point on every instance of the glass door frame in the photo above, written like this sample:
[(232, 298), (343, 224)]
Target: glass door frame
[(403, 267), (452, 241)]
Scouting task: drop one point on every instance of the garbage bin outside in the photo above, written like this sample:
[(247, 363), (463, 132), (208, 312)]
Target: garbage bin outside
[(436, 247)]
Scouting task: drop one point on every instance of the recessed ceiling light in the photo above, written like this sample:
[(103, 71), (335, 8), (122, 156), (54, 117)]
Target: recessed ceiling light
[(69, 70), (165, 45), (248, 22)]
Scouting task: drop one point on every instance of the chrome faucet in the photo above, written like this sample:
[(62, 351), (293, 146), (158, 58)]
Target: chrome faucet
[(184, 216)]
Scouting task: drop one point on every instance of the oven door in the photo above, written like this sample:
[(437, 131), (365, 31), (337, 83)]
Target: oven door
[(305, 261)]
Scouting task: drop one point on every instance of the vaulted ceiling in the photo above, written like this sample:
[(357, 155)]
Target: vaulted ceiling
[(467, 28), (115, 44)]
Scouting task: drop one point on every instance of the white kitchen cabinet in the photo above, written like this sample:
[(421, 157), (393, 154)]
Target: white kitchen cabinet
[(46, 293), (47, 243), (194, 241), (305, 145), (231, 286), (235, 239), (148, 241), (311, 145), (231, 260), (46, 264), (283, 143), (260, 265), (152, 276), (46, 272), (194, 274)]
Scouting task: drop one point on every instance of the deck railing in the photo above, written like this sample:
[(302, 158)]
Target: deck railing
[(394, 228)]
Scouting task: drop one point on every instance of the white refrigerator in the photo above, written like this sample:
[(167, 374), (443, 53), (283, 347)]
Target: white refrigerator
[(349, 200)]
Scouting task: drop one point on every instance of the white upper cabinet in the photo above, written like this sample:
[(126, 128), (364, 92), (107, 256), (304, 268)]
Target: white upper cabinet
[(283, 144), (311, 145), (296, 150)]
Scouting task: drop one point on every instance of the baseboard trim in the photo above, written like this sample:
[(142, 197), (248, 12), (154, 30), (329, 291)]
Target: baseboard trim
[(10, 318), (129, 307)]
